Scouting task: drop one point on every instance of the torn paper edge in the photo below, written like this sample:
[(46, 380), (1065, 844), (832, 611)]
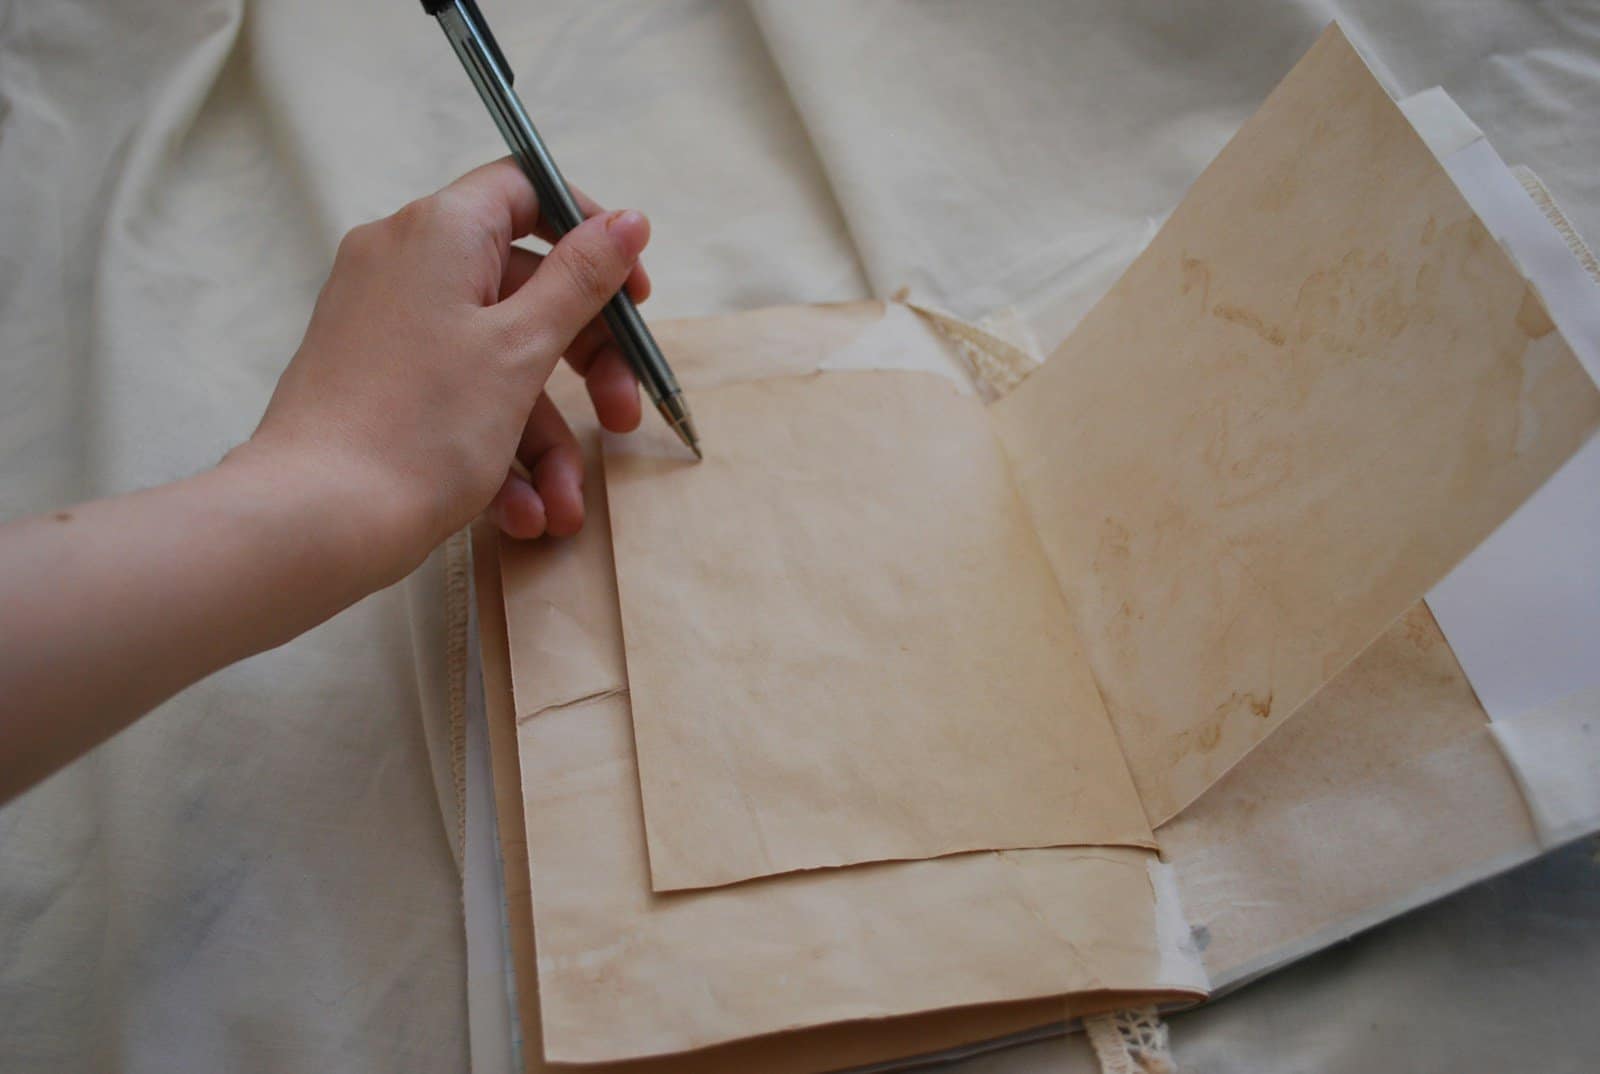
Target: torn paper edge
[(1554, 754)]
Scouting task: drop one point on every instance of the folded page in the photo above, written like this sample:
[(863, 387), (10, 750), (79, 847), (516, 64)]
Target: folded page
[(1319, 387), (844, 643)]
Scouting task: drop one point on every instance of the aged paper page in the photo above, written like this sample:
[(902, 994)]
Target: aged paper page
[(831, 1047), (844, 643), (556, 665), (624, 972), (1383, 791), (627, 972), (1320, 386)]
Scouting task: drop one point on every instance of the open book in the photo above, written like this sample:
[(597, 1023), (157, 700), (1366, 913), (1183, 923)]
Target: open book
[(912, 719)]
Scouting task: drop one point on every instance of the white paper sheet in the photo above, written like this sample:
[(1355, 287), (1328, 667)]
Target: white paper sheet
[(1522, 612), (493, 1038)]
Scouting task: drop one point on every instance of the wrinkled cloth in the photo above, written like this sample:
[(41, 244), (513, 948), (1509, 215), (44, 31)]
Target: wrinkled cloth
[(260, 876)]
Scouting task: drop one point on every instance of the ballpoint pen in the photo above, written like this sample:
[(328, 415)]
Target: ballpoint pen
[(480, 54)]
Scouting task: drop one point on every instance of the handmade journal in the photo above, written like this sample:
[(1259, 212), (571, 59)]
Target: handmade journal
[(930, 710)]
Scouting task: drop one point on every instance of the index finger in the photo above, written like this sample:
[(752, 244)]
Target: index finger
[(505, 201), (499, 196)]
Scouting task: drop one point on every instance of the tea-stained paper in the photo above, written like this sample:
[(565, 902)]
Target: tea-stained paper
[(1320, 386), (837, 1046), (625, 972), (934, 953), (844, 643), (578, 579)]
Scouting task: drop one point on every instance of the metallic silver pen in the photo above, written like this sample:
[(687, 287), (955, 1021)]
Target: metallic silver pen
[(480, 54)]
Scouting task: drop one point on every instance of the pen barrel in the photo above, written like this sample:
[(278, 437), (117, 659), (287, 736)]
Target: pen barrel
[(639, 347), (463, 25), (478, 53)]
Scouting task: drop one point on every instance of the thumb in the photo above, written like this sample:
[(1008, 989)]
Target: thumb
[(571, 286)]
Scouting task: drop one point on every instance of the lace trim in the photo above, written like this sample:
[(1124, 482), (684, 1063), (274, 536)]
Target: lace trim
[(998, 348), (1131, 1042), (1547, 205)]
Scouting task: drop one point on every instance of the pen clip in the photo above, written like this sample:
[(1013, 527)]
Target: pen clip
[(469, 13)]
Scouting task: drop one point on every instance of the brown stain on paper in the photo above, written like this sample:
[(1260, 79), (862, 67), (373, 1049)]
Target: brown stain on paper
[(1253, 321), (1532, 317), (1418, 629), (1196, 273), (1208, 735)]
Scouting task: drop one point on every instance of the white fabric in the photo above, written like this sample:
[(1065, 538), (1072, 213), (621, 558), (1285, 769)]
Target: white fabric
[(261, 875)]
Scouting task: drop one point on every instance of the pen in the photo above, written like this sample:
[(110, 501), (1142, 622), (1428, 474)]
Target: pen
[(480, 54)]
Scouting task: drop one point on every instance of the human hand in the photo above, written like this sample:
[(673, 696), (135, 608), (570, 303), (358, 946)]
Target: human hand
[(422, 370)]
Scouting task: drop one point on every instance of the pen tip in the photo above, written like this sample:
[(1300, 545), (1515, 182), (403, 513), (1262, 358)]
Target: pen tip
[(698, 454)]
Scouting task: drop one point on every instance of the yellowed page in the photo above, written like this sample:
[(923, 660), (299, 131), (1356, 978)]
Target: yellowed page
[(832, 1047), (844, 643), (1382, 792), (624, 972), (708, 351), (1318, 388), (627, 972)]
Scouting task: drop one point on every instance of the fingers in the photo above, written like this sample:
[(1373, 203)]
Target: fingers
[(550, 499), (522, 263), (638, 279), (551, 453), (613, 389), (499, 196), (541, 318), (517, 509), (593, 354)]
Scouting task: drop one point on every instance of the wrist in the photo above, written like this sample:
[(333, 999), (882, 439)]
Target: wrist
[(350, 522)]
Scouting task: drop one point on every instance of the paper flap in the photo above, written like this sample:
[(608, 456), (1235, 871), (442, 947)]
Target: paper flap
[(844, 643), (1320, 386)]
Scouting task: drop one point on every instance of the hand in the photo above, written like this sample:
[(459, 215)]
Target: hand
[(420, 378), (421, 374)]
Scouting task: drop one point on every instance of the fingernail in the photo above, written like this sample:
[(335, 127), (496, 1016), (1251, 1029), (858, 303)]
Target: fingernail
[(630, 226)]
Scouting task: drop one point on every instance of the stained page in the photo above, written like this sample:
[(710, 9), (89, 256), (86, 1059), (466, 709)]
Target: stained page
[(627, 972), (1382, 792), (931, 954), (844, 643), (1320, 386), (835, 1046), (1024, 937)]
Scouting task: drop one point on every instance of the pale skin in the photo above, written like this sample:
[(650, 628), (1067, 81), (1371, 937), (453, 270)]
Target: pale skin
[(420, 379)]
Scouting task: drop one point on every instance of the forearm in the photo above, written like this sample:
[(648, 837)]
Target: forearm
[(111, 607), (398, 419)]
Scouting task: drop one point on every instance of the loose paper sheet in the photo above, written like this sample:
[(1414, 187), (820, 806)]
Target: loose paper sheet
[(560, 668), (1319, 387), (844, 643)]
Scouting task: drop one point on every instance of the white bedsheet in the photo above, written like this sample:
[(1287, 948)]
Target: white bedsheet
[(260, 876)]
